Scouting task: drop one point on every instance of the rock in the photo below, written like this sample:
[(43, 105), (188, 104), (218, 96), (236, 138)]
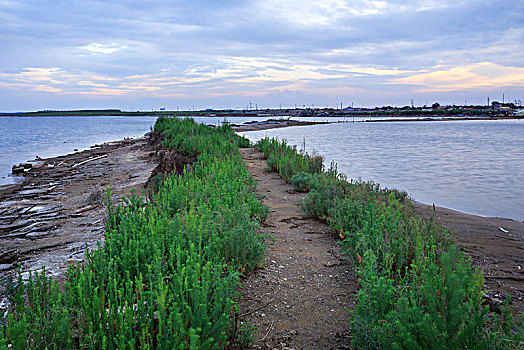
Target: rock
[(17, 169), (493, 303), (5, 267)]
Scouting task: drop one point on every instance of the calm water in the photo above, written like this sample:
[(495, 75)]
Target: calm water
[(24, 138), (472, 166)]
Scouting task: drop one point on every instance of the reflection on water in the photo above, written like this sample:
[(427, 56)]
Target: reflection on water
[(473, 166)]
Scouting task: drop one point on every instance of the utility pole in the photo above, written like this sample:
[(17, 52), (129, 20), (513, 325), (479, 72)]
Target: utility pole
[(502, 98)]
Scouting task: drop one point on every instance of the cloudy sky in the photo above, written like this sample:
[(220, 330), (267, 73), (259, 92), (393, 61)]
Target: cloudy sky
[(139, 55)]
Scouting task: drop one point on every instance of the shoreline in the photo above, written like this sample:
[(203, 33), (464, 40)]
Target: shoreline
[(463, 212), (57, 210), (275, 124), (42, 162), (439, 119), (495, 245), (48, 219)]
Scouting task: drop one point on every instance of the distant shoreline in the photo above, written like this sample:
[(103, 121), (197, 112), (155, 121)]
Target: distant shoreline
[(439, 119), (390, 114), (327, 119)]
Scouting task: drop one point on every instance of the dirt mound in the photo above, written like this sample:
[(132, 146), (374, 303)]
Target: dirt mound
[(155, 138), (167, 160), (170, 160)]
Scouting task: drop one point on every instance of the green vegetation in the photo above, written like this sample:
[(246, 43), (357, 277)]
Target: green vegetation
[(285, 159), (166, 276), (417, 291)]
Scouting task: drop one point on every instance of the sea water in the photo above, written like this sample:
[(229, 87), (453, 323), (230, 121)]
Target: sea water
[(24, 138), (471, 166)]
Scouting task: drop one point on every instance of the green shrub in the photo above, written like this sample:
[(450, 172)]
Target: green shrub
[(285, 160), (302, 182)]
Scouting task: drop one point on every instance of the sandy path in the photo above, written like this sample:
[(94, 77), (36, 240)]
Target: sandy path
[(305, 288)]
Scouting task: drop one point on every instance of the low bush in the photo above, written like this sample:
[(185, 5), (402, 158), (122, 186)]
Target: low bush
[(302, 182), (285, 159)]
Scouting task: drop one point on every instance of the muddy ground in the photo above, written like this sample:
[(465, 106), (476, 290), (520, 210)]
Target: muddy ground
[(58, 210)]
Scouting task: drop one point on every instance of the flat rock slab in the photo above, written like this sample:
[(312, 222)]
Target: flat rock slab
[(57, 211)]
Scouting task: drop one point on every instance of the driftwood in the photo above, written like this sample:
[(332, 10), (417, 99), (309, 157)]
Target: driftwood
[(89, 160), (89, 207), (269, 330)]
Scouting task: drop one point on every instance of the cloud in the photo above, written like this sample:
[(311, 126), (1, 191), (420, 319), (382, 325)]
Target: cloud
[(90, 83), (102, 48), (195, 49), (33, 75), (480, 75), (46, 88)]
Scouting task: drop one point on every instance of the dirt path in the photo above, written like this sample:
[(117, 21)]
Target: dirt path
[(302, 294)]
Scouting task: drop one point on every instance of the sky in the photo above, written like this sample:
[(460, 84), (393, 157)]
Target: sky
[(144, 55)]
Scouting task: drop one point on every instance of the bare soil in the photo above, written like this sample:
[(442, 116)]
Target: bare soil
[(301, 296), (58, 210)]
